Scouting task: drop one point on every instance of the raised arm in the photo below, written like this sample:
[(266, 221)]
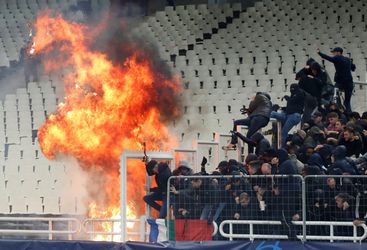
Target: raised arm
[(326, 57)]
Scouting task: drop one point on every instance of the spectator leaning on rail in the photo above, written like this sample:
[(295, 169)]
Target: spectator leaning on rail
[(343, 76), (293, 112), (258, 117), (162, 172)]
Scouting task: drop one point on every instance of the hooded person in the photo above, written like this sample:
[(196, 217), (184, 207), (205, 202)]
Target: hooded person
[(321, 158), (223, 167), (341, 162), (298, 138), (257, 140), (285, 165), (162, 173), (288, 189), (306, 70), (315, 136), (293, 112)]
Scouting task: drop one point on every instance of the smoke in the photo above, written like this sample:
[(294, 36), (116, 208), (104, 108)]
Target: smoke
[(13, 79), (75, 195)]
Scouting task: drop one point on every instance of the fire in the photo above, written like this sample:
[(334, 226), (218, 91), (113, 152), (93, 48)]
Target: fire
[(109, 106)]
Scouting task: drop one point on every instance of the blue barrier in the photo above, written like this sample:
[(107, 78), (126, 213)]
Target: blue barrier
[(209, 245)]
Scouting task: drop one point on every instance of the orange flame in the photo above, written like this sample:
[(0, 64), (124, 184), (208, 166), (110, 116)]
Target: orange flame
[(109, 107)]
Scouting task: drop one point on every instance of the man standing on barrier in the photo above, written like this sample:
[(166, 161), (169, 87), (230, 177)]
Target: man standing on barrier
[(162, 173), (343, 76)]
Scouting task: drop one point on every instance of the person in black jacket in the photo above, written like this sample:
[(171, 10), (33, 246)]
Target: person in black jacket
[(352, 141), (162, 173), (292, 115), (304, 72), (345, 211), (321, 158), (257, 140), (286, 191), (258, 117), (319, 73), (313, 83), (343, 76)]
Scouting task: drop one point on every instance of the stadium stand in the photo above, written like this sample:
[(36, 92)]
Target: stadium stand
[(223, 53)]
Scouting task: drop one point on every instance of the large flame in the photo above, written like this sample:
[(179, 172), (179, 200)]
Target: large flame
[(109, 107)]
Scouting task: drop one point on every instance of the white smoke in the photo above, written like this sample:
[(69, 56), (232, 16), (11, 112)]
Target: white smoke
[(74, 195)]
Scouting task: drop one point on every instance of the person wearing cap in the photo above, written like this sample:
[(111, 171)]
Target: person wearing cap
[(162, 173), (293, 112), (258, 117), (343, 76)]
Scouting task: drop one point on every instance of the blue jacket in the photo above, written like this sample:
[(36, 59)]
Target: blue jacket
[(341, 162), (343, 67)]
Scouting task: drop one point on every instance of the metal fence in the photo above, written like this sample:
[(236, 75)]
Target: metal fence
[(271, 206)]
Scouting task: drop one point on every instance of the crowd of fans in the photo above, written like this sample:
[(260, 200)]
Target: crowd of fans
[(329, 147)]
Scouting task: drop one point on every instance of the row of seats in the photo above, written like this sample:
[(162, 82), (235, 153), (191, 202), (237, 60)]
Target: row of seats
[(260, 49), (14, 19)]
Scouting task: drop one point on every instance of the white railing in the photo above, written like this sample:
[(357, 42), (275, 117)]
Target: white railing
[(50, 231), (89, 226), (251, 235), (331, 237), (215, 228)]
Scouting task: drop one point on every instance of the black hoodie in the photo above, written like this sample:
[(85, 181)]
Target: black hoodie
[(296, 102), (341, 161)]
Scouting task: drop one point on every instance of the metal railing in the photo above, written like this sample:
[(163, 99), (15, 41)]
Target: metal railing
[(73, 224), (90, 225), (331, 237), (360, 83), (303, 228), (251, 235)]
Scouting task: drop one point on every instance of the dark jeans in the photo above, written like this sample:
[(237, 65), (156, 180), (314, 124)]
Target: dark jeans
[(310, 106), (254, 123), (151, 199), (288, 122), (347, 98)]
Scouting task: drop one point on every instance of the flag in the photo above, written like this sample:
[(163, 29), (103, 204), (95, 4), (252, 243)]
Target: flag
[(158, 230), (180, 230)]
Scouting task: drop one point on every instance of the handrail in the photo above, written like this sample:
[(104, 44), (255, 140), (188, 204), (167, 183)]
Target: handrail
[(142, 229), (50, 230), (252, 236), (361, 83), (333, 224)]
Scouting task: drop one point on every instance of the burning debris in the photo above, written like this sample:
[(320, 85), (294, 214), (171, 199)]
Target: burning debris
[(110, 106)]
